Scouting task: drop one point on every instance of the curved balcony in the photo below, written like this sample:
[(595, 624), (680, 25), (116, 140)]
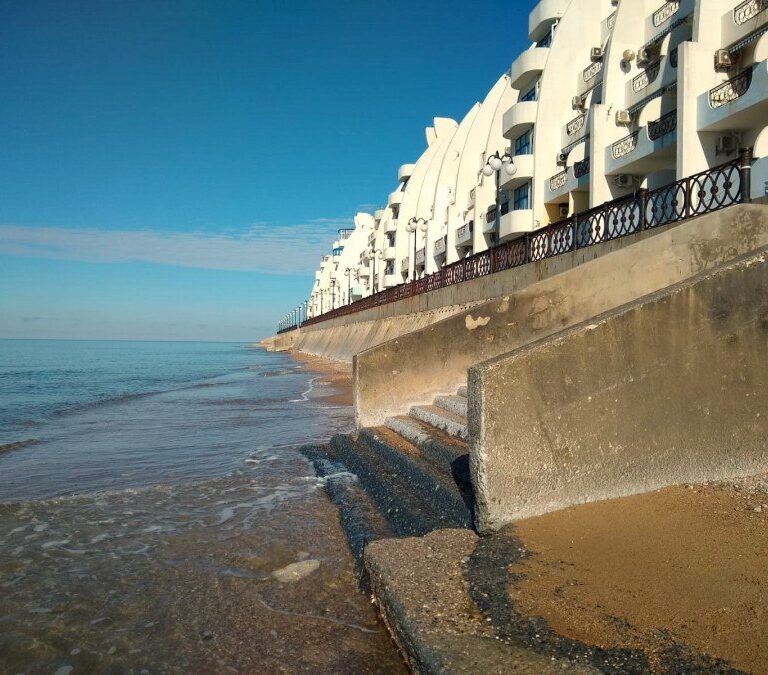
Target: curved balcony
[(739, 104), (405, 172), (390, 226), (544, 16), (648, 149), (515, 223), (395, 198), (519, 118), (379, 214), (743, 20), (464, 235), (524, 164), (573, 179), (527, 67), (390, 253), (390, 280)]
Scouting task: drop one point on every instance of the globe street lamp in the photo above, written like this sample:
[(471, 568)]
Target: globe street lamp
[(375, 253), (494, 166), (413, 225), (348, 274)]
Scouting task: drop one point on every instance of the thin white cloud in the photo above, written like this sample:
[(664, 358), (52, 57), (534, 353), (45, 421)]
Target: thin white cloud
[(294, 249)]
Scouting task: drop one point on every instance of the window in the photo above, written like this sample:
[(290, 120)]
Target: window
[(390, 239), (390, 268), (531, 94), (522, 197), (524, 144)]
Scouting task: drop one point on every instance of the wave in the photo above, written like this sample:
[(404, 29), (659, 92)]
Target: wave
[(17, 445)]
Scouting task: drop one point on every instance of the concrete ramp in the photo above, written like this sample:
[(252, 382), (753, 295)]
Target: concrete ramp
[(670, 389)]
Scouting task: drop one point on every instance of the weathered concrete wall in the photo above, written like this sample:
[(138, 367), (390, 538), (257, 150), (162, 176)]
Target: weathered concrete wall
[(342, 342), (413, 368), (670, 389)]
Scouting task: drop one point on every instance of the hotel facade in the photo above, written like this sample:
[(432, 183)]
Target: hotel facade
[(613, 98)]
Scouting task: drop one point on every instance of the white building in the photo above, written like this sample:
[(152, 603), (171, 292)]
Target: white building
[(613, 96)]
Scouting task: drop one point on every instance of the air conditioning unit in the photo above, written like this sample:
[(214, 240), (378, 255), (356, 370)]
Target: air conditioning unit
[(625, 180), (577, 103), (623, 118), (727, 144), (562, 159), (563, 210), (643, 56), (596, 54), (723, 59)]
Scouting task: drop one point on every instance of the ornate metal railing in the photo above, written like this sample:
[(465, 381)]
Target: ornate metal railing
[(666, 124), (591, 71), (665, 12), (625, 145), (696, 195), (648, 76), (558, 180), (581, 169), (748, 10), (729, 91), (576, 124)]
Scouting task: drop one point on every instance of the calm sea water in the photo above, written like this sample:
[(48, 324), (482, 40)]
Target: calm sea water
[(148, 492)]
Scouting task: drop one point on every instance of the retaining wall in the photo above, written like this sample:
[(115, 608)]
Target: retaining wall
[(543, 298), (670, 389)]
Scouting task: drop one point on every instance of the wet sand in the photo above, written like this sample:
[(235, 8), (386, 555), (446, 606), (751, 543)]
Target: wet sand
[(333, 384), (684, 566)]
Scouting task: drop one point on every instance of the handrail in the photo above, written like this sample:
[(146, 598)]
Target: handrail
[(705, 192)]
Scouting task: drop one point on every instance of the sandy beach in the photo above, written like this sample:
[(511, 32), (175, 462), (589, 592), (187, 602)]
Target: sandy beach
[(333, 384)]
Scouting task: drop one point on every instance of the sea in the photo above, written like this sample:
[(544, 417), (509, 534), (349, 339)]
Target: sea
[(156, 515)]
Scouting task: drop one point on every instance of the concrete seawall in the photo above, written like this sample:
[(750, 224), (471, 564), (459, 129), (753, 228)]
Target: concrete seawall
[(670, 389), (413, 368)]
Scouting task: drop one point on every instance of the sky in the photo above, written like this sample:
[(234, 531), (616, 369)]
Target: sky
[(175, 169)]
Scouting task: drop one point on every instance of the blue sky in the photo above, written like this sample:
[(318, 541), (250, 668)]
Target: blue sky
[(174, 169)]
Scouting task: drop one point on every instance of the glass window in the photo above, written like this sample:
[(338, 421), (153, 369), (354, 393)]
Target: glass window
[(524, 143), (390, 238), (390, 268), (521, 198), (531, 94)]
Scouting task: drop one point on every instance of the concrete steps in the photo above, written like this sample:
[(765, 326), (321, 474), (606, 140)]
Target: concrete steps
[(454, 404), (440, 418), (414, 470)]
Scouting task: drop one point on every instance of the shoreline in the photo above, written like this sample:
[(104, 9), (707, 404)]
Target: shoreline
[(332, 386)]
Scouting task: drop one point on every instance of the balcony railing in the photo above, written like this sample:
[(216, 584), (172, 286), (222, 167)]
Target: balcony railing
[(731, 90), (581, 169), (705, 192), (558, 180), (625, 145), (665, 12), (659, 128), (576, 124), (647, 77), (748, 10)]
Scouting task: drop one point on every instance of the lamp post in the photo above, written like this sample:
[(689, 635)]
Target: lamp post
[(348, 274), (414, 225), (375, 253), (492, 167), (333, 294), (322, 309)]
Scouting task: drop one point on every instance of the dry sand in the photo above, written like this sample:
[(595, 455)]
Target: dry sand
[(682, 565)]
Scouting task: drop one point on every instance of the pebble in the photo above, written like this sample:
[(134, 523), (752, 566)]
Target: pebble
[(758, 509), (296, 571), (206, 635), (75, 651), (64, 670)]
